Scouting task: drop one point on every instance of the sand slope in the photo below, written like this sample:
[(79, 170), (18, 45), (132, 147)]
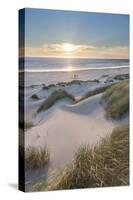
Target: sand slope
[(69, 127)]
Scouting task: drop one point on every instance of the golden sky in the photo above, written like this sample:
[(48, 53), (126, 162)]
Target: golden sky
[(77, 51)]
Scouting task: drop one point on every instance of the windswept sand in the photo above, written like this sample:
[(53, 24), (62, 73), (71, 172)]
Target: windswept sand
[(65, 126), (70, 126), (77, 90)]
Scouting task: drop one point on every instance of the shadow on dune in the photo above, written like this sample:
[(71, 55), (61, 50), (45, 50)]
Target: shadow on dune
[(85, 107), (35, 175)]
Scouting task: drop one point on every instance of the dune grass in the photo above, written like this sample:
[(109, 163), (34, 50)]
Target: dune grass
[(35, 97), (117, 99), (35, 157), (107, 164), (63, 84), (44, 87), (53, 98), (121, 77), (94, 92), (28, 125), (51, 85), (76, 82), (83, 81), (73, 82), (32, 86)]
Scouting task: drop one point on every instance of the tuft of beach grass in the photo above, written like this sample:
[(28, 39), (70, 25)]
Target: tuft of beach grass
[(35, 97), (35, 157), (95, 92), (107, 164), (53, 98), (76, 82), (117, 99), (28, 125), (121, 77)]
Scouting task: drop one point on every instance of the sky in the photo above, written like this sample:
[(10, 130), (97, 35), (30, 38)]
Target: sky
[(54, 33)]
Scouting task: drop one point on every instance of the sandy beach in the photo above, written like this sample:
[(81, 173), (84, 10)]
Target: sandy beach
[(66, 125), (70, 126)]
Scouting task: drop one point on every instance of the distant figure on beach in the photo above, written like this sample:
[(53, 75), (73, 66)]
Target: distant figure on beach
[(75, 76)]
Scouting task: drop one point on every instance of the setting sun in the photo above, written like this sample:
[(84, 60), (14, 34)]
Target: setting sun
[(67, 47)]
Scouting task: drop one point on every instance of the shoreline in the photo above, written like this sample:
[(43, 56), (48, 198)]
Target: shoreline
[(67, 70)]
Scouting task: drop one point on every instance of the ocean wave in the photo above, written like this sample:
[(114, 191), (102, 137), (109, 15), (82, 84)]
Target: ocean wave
[(72, 69)]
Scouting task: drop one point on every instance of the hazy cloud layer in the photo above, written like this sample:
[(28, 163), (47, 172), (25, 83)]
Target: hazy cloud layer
[(82, 51)]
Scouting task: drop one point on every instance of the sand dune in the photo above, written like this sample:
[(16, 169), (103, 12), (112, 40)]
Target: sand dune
[(69, 127), (65, 126), (87, 106)]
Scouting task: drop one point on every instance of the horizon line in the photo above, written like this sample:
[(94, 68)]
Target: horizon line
[(73, 57)]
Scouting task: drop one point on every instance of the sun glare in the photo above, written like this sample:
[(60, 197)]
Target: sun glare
[(67, 47), (69, 69)]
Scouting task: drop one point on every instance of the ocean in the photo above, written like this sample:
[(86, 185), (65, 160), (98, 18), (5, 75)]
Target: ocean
[(52, 70), (62, 64)]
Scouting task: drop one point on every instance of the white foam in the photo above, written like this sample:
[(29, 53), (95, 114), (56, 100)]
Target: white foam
[(73, 69)]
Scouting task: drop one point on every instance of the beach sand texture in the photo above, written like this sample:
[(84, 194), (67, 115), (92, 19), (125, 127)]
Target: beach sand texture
[(66, 125), (70, 126)]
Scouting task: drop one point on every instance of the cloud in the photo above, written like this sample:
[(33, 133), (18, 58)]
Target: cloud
[(79, 50)]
